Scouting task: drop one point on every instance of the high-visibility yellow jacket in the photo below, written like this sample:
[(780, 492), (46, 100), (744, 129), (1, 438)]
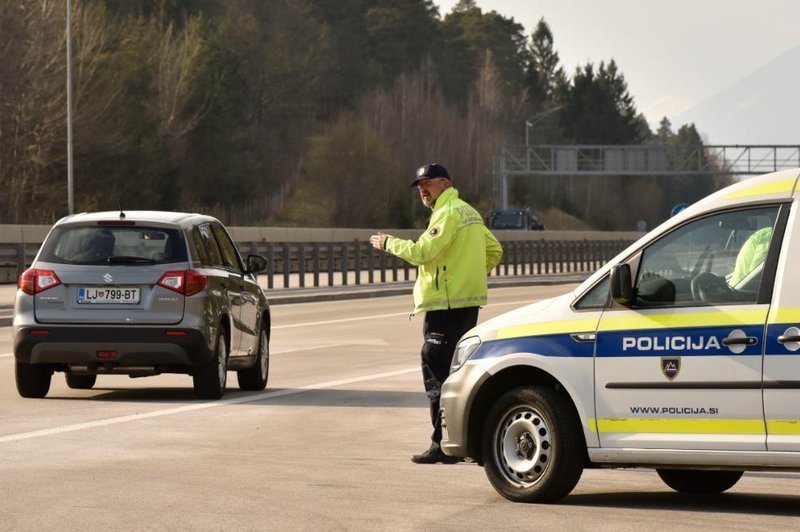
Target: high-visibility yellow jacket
[(453, 255)]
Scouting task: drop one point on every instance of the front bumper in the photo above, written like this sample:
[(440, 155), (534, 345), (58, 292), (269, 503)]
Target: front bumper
[(458, 393), (88, 347)]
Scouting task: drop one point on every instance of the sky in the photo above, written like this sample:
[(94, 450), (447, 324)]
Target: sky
[(674, 54)]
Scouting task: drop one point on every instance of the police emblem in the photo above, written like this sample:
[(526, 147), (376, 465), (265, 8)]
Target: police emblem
[(670, 367)]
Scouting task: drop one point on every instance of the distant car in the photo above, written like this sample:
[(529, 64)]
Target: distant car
[(513, 220), (141, 293)]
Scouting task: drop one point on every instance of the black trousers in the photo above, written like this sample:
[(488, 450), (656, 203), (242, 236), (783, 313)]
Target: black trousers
[(442, 330)]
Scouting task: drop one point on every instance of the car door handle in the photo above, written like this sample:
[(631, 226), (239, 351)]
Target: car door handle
[(784, 339), (747, 340)]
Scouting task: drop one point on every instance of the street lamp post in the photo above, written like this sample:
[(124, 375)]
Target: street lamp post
[(528, 126), (70, 201)]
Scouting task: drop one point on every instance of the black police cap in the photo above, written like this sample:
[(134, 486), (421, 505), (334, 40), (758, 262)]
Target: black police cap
[(429, 171)]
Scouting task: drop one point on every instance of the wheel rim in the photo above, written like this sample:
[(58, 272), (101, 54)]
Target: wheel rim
[(263, 347), (222, 370), (522, 446)]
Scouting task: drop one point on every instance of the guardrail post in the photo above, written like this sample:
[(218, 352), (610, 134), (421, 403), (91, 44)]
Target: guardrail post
[(270, 265), (331, 263), (370, 267), (315, 259), (301, 265), (286, 264), (358, 262), (20, 252), (345, 261)]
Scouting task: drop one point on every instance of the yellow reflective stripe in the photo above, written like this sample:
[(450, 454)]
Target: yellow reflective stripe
[(682, 426), (550, 327), (784, 315), (785, 427), (712, 318), (778, 187)]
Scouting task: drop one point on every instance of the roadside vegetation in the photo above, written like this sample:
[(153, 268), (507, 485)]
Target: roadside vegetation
[(304, 112)]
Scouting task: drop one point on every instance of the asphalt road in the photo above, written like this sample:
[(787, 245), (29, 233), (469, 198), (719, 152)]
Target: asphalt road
[(325, 447)]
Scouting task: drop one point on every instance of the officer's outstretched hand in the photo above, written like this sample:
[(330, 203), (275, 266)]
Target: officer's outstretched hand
[(378, 240)]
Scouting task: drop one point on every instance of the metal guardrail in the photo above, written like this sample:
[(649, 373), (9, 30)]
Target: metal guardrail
[(318, 264)]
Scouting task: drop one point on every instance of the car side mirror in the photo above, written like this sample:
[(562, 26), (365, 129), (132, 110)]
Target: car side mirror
[(256, 264), (622, 285)]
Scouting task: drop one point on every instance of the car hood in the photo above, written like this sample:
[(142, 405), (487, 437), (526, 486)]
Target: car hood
[(539, 312)]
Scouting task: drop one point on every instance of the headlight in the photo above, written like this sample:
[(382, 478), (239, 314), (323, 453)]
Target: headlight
[(464, 350)]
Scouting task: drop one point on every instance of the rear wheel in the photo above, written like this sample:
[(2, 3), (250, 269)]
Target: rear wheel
[(33, 380), (80, 382), (255, 377), (533, 449), (210, 379), (699, 482)]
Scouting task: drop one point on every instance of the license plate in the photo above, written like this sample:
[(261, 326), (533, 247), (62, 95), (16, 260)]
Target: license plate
[(108, 295)]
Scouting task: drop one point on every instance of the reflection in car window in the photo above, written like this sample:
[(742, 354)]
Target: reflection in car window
[(114, 245), (200, 246), (229, 254), (715, 260), (595, 298), (214, 254)]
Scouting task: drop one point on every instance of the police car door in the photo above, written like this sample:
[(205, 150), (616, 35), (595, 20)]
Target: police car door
[(782, 357), (679, 367)]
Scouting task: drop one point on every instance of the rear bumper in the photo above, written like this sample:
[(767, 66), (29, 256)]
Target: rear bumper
[(134, 347)]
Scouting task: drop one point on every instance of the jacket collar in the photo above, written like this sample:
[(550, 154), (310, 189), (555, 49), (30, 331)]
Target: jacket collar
[(449, 194)]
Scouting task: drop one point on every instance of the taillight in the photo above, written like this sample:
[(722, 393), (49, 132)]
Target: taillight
[(187, 282), (195, 282), (32, 281)]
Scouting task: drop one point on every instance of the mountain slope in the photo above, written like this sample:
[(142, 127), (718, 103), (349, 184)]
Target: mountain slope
[(762, 108)]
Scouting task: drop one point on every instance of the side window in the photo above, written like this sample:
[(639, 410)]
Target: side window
[(715, 260), (596, 297), (214, 254), (200, 247), (229, 254)]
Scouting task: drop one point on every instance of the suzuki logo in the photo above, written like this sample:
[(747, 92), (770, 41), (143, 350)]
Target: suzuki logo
[(108, 278)]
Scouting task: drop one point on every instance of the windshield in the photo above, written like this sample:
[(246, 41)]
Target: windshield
[(508, 220), (114, 245)]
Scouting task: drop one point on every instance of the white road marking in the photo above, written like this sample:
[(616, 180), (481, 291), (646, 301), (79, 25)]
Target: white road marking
[(327, 346), (340, 320), (202, 406), (377, 316)]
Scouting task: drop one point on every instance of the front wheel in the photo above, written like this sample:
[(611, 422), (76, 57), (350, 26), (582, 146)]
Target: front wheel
[(210, 379), (255, 377), (33, 380), (533, 449), (699, 482)]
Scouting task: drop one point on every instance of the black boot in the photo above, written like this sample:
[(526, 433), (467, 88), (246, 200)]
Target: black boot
[(434, 455)]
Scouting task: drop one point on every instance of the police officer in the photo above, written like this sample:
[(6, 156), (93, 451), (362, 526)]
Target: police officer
[(454, 256)]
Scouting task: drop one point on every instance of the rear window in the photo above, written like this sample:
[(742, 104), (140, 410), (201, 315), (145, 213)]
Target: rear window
[(114, 245)]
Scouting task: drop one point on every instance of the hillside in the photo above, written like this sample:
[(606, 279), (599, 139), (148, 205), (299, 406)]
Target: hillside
[(762, 108)]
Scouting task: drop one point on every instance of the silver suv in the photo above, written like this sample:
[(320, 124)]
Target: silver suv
[(141, 293)]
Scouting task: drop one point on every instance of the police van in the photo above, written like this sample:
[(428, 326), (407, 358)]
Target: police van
[(681, 354)]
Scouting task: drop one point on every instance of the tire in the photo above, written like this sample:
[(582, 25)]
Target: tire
[(255, 377), (80, 382), (699, 482), (210, 379), (533, 448), (33, 381)]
